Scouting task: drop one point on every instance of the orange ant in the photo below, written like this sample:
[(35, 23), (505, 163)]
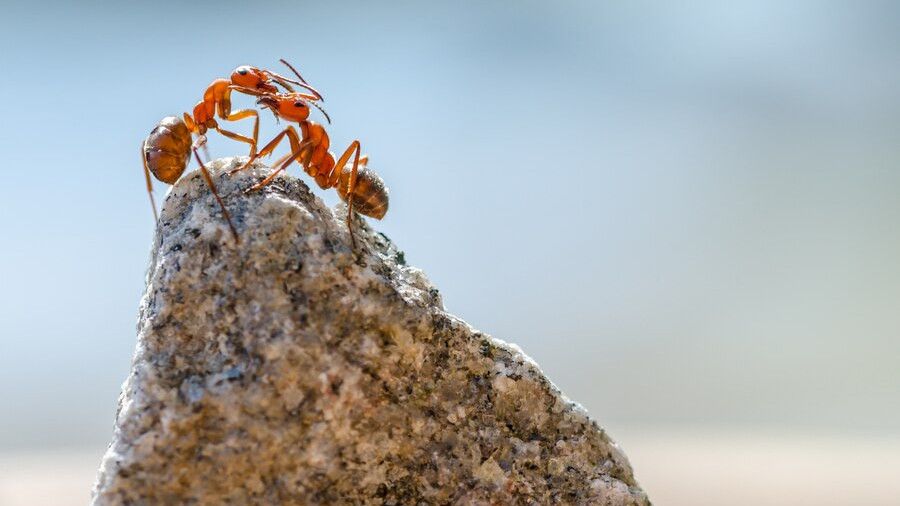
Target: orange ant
[(166, 150), (359, 187)]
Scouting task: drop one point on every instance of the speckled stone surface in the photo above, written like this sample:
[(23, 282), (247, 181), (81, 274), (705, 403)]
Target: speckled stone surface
[(288, 369)]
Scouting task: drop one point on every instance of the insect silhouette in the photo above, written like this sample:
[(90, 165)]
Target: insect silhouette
[(361, 188), (166, 150)]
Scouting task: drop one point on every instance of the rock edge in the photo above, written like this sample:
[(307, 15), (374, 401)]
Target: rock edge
[(288, 369)]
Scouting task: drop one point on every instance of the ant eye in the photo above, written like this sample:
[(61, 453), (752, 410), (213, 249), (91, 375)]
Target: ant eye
[(242, 71), (299, 104)]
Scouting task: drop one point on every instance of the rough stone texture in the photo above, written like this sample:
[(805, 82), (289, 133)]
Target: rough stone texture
[(290, 370)]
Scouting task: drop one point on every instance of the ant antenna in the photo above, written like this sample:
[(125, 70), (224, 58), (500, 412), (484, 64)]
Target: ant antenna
[(322, 111), (283, 83), (284, 80), (304, 83), (288, 65)]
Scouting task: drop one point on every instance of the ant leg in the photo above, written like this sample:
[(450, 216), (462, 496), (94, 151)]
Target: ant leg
[(351, 183), (247, 113), (201, 143), (293, 156), (149, 184), (215, 193), (293, 137), (281, 160), (237, 137), (335, 176), (194, 128)]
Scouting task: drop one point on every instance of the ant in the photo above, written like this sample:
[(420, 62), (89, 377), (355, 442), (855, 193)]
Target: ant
[(359, 187), (166, 149)]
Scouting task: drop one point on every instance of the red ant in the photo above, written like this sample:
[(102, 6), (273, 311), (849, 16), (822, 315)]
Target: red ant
[(361, 188)]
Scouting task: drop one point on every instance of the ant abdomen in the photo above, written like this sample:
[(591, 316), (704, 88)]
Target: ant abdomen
[(370, 195), (167, 148)]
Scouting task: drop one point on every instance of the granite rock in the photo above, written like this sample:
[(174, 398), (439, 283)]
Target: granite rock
[(290, 369)]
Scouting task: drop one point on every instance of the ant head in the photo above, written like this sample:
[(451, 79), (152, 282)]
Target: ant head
[(251, 77), (288, 106)]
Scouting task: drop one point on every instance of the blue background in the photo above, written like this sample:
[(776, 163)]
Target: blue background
[(687, 215)]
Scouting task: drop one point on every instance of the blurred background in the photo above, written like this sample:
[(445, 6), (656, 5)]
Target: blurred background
[(688, 215)]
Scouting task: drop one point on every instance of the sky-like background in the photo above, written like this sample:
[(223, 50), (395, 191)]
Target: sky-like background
[(688, 214)]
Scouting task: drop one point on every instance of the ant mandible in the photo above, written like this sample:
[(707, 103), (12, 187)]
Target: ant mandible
[(361, 188)]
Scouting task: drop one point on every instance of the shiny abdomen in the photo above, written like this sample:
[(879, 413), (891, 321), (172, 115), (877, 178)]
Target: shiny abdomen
[(370, 196), (167, 149)]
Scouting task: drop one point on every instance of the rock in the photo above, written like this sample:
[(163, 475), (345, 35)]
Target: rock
[(289, 369)]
